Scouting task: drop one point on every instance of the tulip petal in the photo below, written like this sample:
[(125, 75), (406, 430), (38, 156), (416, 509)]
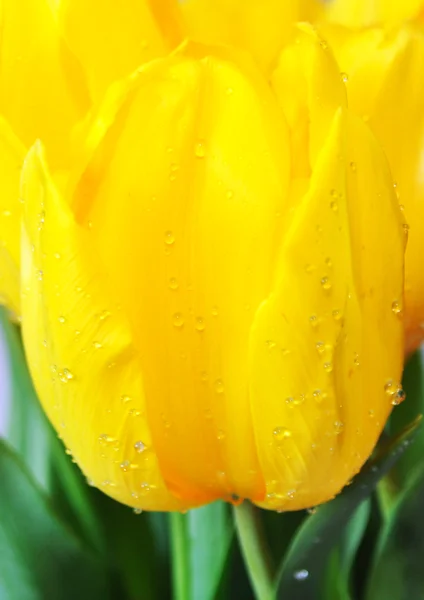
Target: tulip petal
[(386, 80), (12, 155), (309, 89), (326, 345), (365, 13), (42, 90), (185, 198), (111, 39), (80, 351), (259, 26)]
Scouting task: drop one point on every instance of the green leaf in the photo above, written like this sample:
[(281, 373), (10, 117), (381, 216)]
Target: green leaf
[(200, 544), (397, 571), (40, 558), (338, 577), (413, 384), (301, 573), (131, 548), (210, 531), (28, 431)]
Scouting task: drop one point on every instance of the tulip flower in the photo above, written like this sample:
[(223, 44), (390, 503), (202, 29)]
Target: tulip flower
[(59, 57), (210, 303), (384, 80)]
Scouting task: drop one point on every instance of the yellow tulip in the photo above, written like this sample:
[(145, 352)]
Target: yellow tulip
[(58, 58), (385, 82), (203, 317), (366, 13)]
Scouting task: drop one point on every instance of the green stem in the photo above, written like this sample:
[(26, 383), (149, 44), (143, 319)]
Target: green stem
[(255, 551), (179, 557)]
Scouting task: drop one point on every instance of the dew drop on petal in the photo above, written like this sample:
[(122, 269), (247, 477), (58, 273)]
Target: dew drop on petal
[(139, 446), (178, 320), (281, 433), (169, 238)]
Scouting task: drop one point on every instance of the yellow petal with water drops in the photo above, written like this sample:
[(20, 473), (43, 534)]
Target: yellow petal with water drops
[(185, 198), (111, 39), (260, 27), (84, 364), (386, 79), (42, 89), (12, 155), (365, 13), (310, 89), (326, 344)]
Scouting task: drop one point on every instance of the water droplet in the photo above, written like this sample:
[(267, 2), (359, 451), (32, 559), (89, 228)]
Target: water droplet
[(290, 400), (125, 399), (169, 238), (200, 324), (215, 311), (329, 262), (313, 320), (61, 320), (325, 283), (104, 315), (344, 77), (137, 511), (173, 283), (301, 575), (145, 488), (106, 439), (398, 397), (356, 360), (312, 510), (352, 165), (39, 273), (125, 466), (334, 206), (281, 433), (397, 307), (139, 447), (200, 149), (291, 494), (320, 346), (220, 435), (178, 320), (309, 268), (97, 345), (323, 44), (337, 315), (65, 376), (219, 386), (338, 427), (391, 387), (328, 367)]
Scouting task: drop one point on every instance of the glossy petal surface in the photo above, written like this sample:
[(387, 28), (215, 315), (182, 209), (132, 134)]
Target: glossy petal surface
[(187, 190), (79, 347), (386, 80), (326, 346)]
